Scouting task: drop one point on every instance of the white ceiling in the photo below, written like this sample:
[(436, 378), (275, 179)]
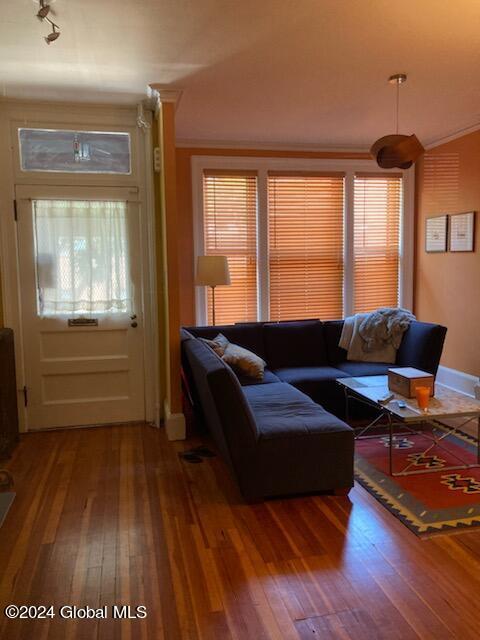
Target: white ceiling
[(306, 72)]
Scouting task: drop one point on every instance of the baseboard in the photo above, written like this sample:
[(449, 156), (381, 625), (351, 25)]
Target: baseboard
[(458, 380), (175, 425)]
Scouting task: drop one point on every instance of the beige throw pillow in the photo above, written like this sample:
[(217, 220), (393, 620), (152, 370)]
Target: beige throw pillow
[(244, 361), (218, 344)]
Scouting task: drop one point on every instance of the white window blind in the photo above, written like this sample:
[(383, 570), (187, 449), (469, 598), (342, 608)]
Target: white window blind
[(377, 216), (305, 219), (230, 229)]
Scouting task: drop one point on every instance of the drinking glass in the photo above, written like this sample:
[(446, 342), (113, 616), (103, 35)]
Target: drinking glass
[(423, 397)]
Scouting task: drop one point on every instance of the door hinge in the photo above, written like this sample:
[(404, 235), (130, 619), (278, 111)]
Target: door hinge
[(25, 396), (15, 212)]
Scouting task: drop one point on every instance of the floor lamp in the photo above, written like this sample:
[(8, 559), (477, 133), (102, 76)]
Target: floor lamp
[(212, 271)]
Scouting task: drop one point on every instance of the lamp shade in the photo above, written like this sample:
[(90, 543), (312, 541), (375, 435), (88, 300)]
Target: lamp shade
[(212, 271), (397, 151)]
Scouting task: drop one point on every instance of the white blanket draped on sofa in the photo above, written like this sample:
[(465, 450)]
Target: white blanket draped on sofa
[(375, 336)]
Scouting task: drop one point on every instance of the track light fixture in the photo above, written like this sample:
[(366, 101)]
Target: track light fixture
[(53, 35), (44, 10), (42, 14)]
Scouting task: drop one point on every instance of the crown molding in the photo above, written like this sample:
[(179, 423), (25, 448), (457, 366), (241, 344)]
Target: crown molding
[(162, 94), (266, 146), (459, 133)]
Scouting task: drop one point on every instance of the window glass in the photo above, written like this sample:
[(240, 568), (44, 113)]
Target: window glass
[(377, 220), (230, 227), (305, 221), (82, 259), (74, 151)]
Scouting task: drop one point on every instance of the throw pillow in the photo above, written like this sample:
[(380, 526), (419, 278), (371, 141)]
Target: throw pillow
[(244, 361), (218, 344)]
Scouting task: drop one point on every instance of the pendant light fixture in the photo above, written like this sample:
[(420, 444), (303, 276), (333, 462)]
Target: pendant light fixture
[(397, 150)]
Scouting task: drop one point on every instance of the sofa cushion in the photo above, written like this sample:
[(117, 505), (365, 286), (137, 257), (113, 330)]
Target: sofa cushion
[(422, 346), (248, 335), (318, 383), (364, 368), (332, 330), (281, 411), (295, 344), (268, 378), (298, 375), (244, 361), (218, 344)]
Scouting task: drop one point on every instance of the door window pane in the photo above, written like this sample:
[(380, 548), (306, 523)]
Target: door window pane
[(82, 258), (74, 151)]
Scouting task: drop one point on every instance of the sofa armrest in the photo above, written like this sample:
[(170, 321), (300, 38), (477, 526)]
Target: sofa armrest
[(422, 346)]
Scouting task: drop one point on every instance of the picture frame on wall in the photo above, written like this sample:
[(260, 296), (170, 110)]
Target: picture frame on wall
[(462, 232), (436, 234)]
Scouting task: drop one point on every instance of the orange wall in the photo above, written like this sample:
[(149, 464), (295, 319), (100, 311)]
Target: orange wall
[(447, 285), (185, 214)]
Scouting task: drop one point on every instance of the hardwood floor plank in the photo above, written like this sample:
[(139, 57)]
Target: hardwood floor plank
[(113, 516)]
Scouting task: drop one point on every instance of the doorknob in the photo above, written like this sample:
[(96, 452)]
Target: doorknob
[(134, 324)]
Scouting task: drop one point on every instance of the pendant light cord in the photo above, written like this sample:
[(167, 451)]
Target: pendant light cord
[(398, 101)]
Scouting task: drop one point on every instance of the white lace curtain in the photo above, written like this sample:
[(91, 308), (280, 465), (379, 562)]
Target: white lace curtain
[(82, 257)]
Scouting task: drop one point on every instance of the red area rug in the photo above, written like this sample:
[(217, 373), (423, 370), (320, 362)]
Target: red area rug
[(444, 501)]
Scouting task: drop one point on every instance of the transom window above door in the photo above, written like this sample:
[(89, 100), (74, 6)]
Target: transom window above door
[(65, 151), (303, 239)]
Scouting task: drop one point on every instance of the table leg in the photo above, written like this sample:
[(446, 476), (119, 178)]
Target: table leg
[(347, 412), (390, 447), (478, 440)]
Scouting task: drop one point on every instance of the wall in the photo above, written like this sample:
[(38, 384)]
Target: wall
[(185, 214), (167, 266), (447, 285)]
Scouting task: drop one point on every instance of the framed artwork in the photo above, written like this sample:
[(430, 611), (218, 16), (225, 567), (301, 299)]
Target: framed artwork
[(436, 234), (462, 231)]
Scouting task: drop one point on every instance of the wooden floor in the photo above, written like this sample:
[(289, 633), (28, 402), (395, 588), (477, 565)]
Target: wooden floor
[(112, 516)]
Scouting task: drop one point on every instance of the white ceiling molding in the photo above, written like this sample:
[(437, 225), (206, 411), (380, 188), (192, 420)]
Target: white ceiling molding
[(165, 94), (453, 136), (266, 146)]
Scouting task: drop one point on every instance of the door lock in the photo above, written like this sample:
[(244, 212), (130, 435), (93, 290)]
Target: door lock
[(132, 317)]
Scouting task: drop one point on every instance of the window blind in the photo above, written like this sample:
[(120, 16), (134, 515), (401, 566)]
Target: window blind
[(305, 219), (377, 215), (230, 228)]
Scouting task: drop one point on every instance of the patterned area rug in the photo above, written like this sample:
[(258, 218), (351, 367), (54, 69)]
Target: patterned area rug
[(6, 500), (444, 501)]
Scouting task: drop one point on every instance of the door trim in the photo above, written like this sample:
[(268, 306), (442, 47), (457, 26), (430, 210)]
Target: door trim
[(142, 192)]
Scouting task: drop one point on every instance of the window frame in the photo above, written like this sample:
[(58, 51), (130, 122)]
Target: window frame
[(262, 165)]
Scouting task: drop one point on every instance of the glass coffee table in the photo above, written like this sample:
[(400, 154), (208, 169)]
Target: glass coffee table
[(446, 405)]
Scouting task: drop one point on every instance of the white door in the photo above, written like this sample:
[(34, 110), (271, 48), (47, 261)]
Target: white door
[(80, 284)]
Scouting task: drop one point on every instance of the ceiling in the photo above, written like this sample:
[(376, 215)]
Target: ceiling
[(283, 72)]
